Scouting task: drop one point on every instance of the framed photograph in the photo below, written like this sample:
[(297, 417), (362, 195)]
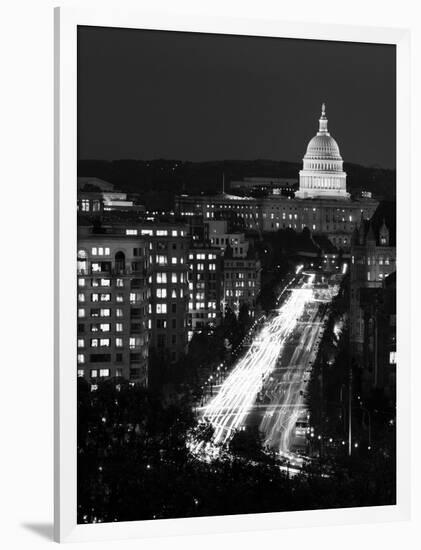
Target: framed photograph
[(231, 206)]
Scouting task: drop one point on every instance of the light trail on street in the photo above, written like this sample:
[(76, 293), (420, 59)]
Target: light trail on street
[(228, 410)]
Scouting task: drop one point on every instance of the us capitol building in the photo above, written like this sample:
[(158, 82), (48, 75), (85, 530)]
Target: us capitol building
[(322, 203)]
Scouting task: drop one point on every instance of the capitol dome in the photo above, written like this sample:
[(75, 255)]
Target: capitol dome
[(322, 175), (323, 146)]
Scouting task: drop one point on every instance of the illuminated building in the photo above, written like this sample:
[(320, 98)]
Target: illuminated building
[(97, 197), (321, 204), (322, 175), (205, 287), (242, 280), (112, 308), (168, 282)]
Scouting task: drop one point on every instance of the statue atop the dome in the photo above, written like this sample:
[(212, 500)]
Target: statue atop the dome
[(323, 109)]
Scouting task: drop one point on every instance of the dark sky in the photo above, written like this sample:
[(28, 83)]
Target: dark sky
[(154, 94)]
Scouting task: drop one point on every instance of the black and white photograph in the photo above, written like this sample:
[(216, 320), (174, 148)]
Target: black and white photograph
[(236, 275)]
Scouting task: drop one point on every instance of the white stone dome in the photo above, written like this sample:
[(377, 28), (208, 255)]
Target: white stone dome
[(323, 147)]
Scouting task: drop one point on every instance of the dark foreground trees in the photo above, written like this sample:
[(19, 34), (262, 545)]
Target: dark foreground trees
[(134, 463)]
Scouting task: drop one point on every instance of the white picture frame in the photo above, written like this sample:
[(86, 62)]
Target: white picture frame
[(66, 528)]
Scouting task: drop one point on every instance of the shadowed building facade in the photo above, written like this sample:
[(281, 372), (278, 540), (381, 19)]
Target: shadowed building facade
[(373, 262)]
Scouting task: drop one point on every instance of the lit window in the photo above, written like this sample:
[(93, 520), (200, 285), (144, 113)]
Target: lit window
[(94, 251), (94, 373), (161, 292), (81, 312), (104, 372), (119, 342), (81, 343), (134, 342), (81, 297), (80, 358), (119, 283), (80, 373), (104, 342), (161, 260), (173, 260), (131, 231), (161, 278), (104, 313), (119, 312), (173, 277), (174, 233), (119, 327), (161, 308), (104, 327), (392, 358), (81, 282), (161, 233)]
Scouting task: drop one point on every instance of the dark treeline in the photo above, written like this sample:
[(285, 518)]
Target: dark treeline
[(134, 464)]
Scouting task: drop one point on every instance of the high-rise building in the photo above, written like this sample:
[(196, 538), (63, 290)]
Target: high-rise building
[(205, 287), (242, 280), (168, 248), (112, 311)]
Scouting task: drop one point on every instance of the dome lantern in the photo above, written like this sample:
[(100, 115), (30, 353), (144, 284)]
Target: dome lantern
[(323, 122)]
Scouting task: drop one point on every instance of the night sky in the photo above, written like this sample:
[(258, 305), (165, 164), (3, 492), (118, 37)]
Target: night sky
[(185, 96)]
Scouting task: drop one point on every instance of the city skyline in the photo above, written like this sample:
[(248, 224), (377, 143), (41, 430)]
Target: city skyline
[(155, 94), (236, 323)]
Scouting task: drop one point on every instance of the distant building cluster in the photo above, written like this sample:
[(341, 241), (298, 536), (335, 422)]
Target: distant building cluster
[(321, 203), (147, 282), (146, 286)]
